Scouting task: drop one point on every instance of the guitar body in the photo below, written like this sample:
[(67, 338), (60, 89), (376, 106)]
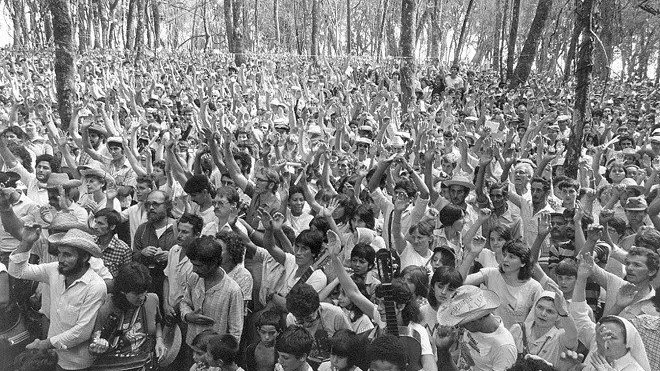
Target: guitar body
[(408, 338)]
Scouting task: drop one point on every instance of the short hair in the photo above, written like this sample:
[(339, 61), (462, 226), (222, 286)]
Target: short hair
[(160, 164), (245, 159), (311, 239), (229, 193), (349, 204), (302, 300), (111, 215), (52, 161), (133, 277), (205, 249), (235, 245), (202, 339), (407, 186), (447, 256), (22, 153), (294, 340), (499, 185), (648, 238), (145, 179), (195, 220), (269, 318), (545, 182), (503, 231), (35, 360), (619, 224), (272, 176), (444, 275), (526, 364), (320, 223), (364, 251), (567, 267), (295, 189), (449, 214), (628, 138), (224, 348), (569, 183), (419, 277), (652, 258), (198, 183), (520, 249), (388, 348), (345, 343), (366, 214)]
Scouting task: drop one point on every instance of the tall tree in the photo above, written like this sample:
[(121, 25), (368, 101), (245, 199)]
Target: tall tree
[(239, 31), (348, 27), (435, 30), (155, 11), (528, 52), (461, 38), (497, 47), (607, 23), (407, 53), (140, 28), (276, 20), (582, 86), (130, 34), (513, 35), (229, 24), (63, 38), (314, 51)]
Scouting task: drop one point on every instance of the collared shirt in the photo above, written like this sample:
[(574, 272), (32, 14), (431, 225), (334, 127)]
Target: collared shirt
[(24, 209), (177, 271), (222, 302), (73, 309), (530, 223), (116, 255), (410, 216), (613, 285), (35, 191), (123, 173), (136, 215), (507, 219), (243, 278), (146, 236)]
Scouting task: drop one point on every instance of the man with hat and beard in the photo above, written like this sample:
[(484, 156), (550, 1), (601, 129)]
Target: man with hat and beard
[(76, 292), (22, 208)]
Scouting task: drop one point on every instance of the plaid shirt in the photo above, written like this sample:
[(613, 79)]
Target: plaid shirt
[(116, 255), (648, 326)]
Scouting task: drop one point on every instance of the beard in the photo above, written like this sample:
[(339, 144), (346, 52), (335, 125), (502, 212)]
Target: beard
[(77, 268)]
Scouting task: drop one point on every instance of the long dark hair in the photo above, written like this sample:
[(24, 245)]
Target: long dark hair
[(519, 249)]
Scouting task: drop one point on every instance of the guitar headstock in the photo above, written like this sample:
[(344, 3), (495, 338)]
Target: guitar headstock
[(388, 265)]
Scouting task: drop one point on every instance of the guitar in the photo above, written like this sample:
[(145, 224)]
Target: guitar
[(388, 268)]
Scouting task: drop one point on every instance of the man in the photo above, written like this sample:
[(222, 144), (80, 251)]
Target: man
[(501, 214), (459, 188), (636, 214), (137, 214), (94, 135), (76, 293), (321, 320), (45, 165), (211, 299), (472, 309), (63, 195), (22, 207), (202, 193), (116, 252), (225, 203), (155, 238), (233, 251)]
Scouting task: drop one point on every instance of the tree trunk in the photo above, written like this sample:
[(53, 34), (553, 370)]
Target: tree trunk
[(130, 35), (314, 47), (348, 27), (496, 38), (528, 52), (570, 56), (155, 11), (583, 77), (48, 25), (505, 16), (229, 24), (64, 79), (255, 46), (239, 32), (83, 35), (407, 53), (392, 47), (461, 38), (435, 30), (276, 19), (381, 29), (603, 59), (513, 34), (139, 29)]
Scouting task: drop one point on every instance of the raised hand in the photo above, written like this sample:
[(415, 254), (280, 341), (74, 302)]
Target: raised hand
[(544, 224), (30, 234), (586, 266), (477, 245), (266, 219), (278, 221), (626, 295), (484, 214), (560, 301), (334, 243), (327, 211), (594, 233), (605, 216)]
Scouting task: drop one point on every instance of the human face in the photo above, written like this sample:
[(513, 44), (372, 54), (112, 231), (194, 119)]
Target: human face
[(539, 194), (70, 262), (342, 168), (566, 284), (11, 137), (94, 139), (637, 270), (447, 166), (545, 312), (610, 339), (136, 299), (498, 198), (400, 194), (310, 320), (43, 171), (635, 217), (203, 269), (199, 197), (262, 184), (222, 207), (337, 362), (617, 173), (338, 213), (626, 144), (511, 263), (227, 181), (442, 292), (357, 222), (496, 241), (436, 261), (362, 148), (360, 266), (343, 300), (116, 152), (569, 193), (156, 207), (289, 362), (419, 241), (457, 194), (521, 175), (101, 226), (303, 254), (142, 191), (30, 128), (185, 234), (383, 366), (94, 184), (267, 335)]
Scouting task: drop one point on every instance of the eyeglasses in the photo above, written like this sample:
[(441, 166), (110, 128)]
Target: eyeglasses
[(149, 204)]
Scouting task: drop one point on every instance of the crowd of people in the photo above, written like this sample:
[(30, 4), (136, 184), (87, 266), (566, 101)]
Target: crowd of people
[(291, 215)]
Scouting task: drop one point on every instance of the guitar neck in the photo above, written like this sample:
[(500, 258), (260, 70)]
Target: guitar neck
[(391, 321)]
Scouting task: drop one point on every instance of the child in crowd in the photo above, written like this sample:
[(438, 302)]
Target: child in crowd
[(199, 346), (222, 353), (344, 352), (293, 346), (262, 356)]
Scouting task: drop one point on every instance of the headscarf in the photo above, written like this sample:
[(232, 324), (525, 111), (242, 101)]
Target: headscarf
[(633, 343)]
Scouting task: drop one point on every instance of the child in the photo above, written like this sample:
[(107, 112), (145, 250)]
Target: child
[(360, 322), (293, 346), (199, 345), (262, 355), (363, 261), (221, 353), (344, 351)]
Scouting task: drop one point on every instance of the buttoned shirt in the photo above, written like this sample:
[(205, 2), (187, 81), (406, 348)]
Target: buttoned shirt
[(73, 309), (177, 271), (530, 223), (24, 209), (35, 191), (223, 302), (116, 255), (136, 215), (507, 219)]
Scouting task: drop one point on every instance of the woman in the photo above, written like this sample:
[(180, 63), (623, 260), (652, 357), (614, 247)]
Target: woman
[(511, 281), (127, 331), (415, 248), (548, 330), (417, 279), (97, 182), (444, 283), (448, 231)]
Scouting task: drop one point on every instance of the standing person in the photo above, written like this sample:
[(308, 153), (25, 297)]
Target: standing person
[(76, 293), (202, 193), (155, 238), (233, 252), (262, 356), (211, 299), (97, 182), (23, 207), (116, 252), (486, 344), (137, 214)]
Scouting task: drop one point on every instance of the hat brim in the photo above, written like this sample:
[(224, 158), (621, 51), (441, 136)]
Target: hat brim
[(446, 318), (61, 240), (172, 339), (460, 183)]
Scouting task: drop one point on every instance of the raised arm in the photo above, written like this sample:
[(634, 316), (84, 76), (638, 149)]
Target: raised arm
[(232, 167), (397, 234)]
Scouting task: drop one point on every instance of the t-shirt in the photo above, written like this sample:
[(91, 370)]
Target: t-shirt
[(490, 352), (517, 301), (411, 257)]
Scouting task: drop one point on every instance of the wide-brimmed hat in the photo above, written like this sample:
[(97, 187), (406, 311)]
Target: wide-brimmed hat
[(469, 303), (94, 169), (460, 180), (78, 239), (99, 129), (172, 341), (61, 179), (363, 140), (63, 221), (636, 204), (9, 179), (115, 140)]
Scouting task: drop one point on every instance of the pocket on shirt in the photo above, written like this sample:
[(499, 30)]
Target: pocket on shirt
[(68, 315)]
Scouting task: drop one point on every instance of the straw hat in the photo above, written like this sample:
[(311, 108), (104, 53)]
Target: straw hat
[(61, 179), (469, 303), (460, 180), (63, 221), (172, 340), (78, 239), (94, 169)]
